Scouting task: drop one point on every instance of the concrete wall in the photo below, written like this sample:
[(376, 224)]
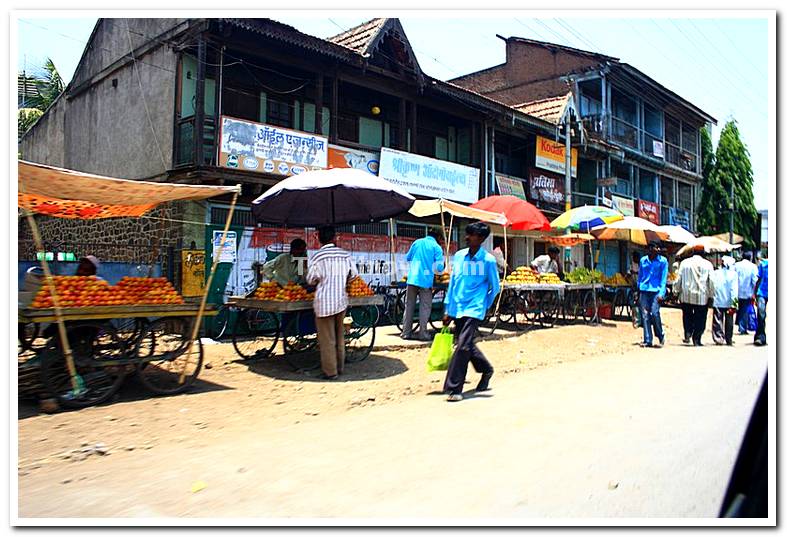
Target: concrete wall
[(45, 142)]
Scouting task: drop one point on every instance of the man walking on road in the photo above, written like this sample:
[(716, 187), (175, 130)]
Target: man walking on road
[(425, 257), (471, 291), (652, 283), (695, 288), (330, 269), (747, 279), (725, 292), (761, 290)]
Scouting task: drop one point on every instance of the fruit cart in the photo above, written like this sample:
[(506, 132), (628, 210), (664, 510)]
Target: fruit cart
[(85, 360), (579, 301), (524, 305), (399, 289), (264, 327)]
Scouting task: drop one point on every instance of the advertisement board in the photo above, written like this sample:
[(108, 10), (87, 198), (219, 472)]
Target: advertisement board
[(648, 211), (250, 146), (510, 186), (429, 177), (547, 189), (192, 281), (551, 156), (624, 205), (345, 157), (679, 217), (229, 251)]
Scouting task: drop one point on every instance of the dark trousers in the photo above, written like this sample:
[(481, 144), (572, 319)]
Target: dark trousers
[(723, 323), (465, 352), (759, 335), (742, 317), (695, 318)]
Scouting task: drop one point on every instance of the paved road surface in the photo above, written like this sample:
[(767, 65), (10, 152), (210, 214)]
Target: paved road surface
[(651, 434)]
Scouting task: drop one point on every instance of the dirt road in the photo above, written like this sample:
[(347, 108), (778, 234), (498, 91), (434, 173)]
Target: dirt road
[(588, 426)]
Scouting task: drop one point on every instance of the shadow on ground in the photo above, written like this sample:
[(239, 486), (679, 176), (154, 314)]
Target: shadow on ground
[(306, 367)]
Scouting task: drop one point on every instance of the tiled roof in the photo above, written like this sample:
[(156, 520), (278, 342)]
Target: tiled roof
[(361, 38), (550, 109)]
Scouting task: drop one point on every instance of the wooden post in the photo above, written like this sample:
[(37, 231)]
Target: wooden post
[(198, 319), (199, 112), (318, 88), (61, 327)]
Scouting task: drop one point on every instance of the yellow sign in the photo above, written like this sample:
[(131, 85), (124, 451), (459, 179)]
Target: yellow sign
[(552, 156), (192, 272)]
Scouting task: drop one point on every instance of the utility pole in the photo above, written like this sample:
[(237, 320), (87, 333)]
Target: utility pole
[(732, 209), (567, 126)]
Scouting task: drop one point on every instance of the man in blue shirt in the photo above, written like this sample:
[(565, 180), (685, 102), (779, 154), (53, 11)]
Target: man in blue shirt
[(471, 291), (747, 280), (652, 283), (425, 258), (761, 291)]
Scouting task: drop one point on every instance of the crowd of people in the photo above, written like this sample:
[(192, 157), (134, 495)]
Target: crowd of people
[(735, 291)]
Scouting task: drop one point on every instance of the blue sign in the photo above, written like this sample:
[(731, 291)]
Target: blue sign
[(680, 217)]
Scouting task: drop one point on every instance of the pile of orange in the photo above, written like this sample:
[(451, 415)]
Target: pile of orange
[(358, 287), (293, 292), (87, 291), (267, 291)]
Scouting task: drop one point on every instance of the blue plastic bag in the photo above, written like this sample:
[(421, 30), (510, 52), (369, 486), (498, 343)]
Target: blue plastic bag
[(751, 318)]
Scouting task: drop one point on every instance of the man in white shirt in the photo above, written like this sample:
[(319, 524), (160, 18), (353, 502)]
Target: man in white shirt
[(695, 289), (549, 262), (330, 269), (747, 280), (725, 295)]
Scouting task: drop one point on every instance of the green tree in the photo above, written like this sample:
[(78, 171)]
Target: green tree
[(26, 117), (708, 212), (38, 92), (732, 170)]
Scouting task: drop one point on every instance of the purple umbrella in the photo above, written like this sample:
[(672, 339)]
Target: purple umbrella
[(331, 197)]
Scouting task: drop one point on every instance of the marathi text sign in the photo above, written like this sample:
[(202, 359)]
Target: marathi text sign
[(429, 177), (510, 186), (648, 211), (344, 157), (679, 217), (624, 205), (547, 188), (192, 281), (552, 156), (250, 146)]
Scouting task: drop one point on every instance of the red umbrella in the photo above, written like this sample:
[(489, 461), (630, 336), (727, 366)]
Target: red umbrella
[(522, 216)]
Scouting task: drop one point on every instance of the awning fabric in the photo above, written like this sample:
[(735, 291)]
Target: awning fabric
[(422, 208), (70, 194)]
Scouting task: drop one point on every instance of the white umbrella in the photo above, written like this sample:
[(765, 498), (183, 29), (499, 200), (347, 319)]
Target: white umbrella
[(709, 245), (331, 197), (631, 229), (677, 234)]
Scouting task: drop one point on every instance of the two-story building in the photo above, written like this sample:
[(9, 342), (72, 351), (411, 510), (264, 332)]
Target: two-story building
[(638, 140), (252, 101)]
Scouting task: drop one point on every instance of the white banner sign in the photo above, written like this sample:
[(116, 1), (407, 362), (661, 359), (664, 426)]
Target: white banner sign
[(624, 205), (246, 145), (429, 177)]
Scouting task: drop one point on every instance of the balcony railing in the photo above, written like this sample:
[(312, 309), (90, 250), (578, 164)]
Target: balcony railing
[(684, 159), (595, 125), (624, 132)]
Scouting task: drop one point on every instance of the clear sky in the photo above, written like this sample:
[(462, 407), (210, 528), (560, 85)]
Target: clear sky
[(718, 64)]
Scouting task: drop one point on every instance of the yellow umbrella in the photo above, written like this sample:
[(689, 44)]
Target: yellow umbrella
[(709, 245), (631, 229)]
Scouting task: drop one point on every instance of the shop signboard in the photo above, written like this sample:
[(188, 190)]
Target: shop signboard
[(345, 157), (229, 251), (510, 186), (551, 156), (624, 205), (648, 210), (658, 149), (246, 145), (193, 272), (547, 190), (679, 217), (430, 177), (606, 181)]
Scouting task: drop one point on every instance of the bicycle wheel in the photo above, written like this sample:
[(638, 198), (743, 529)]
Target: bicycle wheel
[(589, 308), (27, 335), (129, 330), (221, 322), (438, 309), (163, 355), (548, 306), (255, 334), (98, 356), (359, 333)]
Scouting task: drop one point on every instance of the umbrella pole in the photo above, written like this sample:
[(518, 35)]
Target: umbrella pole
[(595, 298), (61, 327), (393, 249), (442, 225), (215, 264)]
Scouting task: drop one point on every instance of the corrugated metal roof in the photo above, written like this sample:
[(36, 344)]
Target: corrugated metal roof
[(361, 38), (550, 109)]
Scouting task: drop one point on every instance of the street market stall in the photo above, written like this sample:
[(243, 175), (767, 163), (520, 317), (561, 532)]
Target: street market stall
[(86, 360), (272, 314)]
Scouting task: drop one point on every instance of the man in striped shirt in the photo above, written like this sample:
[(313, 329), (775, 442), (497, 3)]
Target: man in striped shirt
[(330, 269)]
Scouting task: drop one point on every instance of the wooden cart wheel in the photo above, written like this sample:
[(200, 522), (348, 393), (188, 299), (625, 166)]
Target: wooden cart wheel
[(161, 355), (548, 308), (359, 333), (255, 334), (300, 342), (100, 360)]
